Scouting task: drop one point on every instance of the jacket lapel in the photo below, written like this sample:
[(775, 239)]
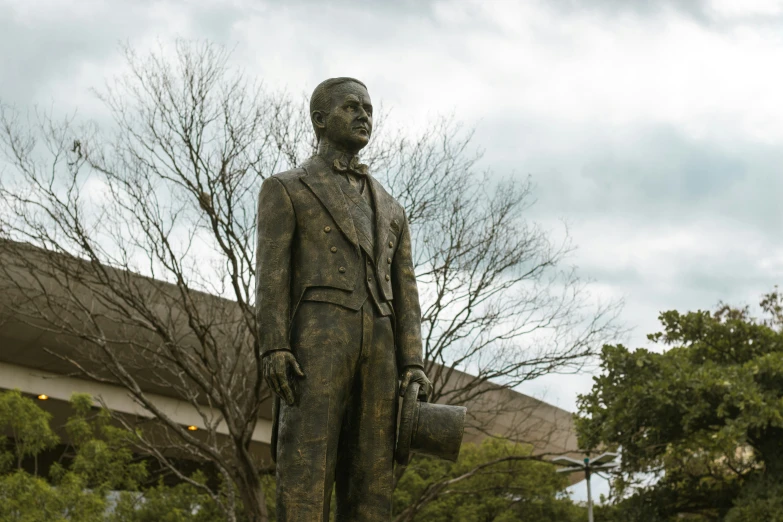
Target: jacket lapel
[(382, 217), (319, 180)]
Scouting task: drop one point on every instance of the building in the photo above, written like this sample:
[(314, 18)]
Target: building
[(31, 361)]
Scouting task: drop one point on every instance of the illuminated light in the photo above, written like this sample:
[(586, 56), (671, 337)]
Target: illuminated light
[(43, 397), (192, 428)]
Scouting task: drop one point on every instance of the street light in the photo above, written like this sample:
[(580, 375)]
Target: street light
[(601, 463)]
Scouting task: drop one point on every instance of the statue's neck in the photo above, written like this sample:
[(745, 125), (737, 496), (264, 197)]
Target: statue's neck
[(329, 152)]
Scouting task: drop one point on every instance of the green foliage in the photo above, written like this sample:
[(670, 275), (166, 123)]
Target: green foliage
[(760, 499), (79, 487), (103, 457), (27, 498), (180, 503), (28, 426), (516, 488), (706, 413)]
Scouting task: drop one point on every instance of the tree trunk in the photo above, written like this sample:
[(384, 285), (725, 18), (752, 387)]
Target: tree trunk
[(253, 498)]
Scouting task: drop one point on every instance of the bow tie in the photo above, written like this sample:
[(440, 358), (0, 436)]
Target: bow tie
[(340, 165)]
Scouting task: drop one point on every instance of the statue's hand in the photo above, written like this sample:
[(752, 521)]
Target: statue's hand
[(416, 374), (276, 372)]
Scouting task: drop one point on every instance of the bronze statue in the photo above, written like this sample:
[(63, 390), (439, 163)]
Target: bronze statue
[(339, 318)]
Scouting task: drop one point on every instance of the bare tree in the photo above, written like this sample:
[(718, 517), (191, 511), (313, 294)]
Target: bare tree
[(136, 246), (169, 193)]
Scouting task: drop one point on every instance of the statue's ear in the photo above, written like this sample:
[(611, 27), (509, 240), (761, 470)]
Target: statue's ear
[(319, 119)]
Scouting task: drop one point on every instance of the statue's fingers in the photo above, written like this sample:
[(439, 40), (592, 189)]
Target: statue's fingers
[(425, 390), (287, 393), (281, 379), (274, 383), (406, 380), (279, 369)]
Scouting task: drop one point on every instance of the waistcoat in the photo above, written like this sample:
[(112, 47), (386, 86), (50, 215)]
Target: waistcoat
[(363, 215)]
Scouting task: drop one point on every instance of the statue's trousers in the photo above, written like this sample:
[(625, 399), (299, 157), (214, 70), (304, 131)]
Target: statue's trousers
[(341, 430)]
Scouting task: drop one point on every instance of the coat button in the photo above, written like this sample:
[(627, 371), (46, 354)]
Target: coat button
[(333, 250), (327, 229), (388, 260), (387, 277), (369, 279), (341, 269), (391, 244)]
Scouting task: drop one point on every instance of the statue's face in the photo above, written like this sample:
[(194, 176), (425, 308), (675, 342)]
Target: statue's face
[(349, 122)]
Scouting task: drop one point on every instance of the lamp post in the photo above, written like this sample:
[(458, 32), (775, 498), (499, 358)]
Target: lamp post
[(602, 462)]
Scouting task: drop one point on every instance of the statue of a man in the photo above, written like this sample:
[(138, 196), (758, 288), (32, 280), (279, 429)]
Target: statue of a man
[(339, 318)]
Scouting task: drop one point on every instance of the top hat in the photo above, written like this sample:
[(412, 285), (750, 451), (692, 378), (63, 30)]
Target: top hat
[(429, 429)]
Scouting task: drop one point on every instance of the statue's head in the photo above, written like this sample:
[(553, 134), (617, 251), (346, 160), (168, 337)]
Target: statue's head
[(341, 113)]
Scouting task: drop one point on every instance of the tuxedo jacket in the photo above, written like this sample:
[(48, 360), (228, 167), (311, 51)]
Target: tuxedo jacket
[(307, 240)]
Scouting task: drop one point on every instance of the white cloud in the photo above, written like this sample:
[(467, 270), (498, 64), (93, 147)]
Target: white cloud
[(748, 7)]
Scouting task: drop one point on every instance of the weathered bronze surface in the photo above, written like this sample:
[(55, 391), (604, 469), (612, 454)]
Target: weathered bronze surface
[(339, 319), (428, 429)]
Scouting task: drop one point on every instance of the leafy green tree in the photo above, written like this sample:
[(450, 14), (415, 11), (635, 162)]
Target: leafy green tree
[(162, 503), (83, 484), (103, 456), (704, 416), (28, 426), (496, 481), (29, 497)]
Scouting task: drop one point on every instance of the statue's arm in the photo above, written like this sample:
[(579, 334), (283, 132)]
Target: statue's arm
[(407, 310), (275, 234)]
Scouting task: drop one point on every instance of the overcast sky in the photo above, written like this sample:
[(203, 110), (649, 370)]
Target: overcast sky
[(653, 127)]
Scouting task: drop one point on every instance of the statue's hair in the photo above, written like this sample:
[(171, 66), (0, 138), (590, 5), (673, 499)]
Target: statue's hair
[(321, 100)]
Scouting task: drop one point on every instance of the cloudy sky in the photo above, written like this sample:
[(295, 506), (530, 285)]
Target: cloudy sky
[(653, 127)]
